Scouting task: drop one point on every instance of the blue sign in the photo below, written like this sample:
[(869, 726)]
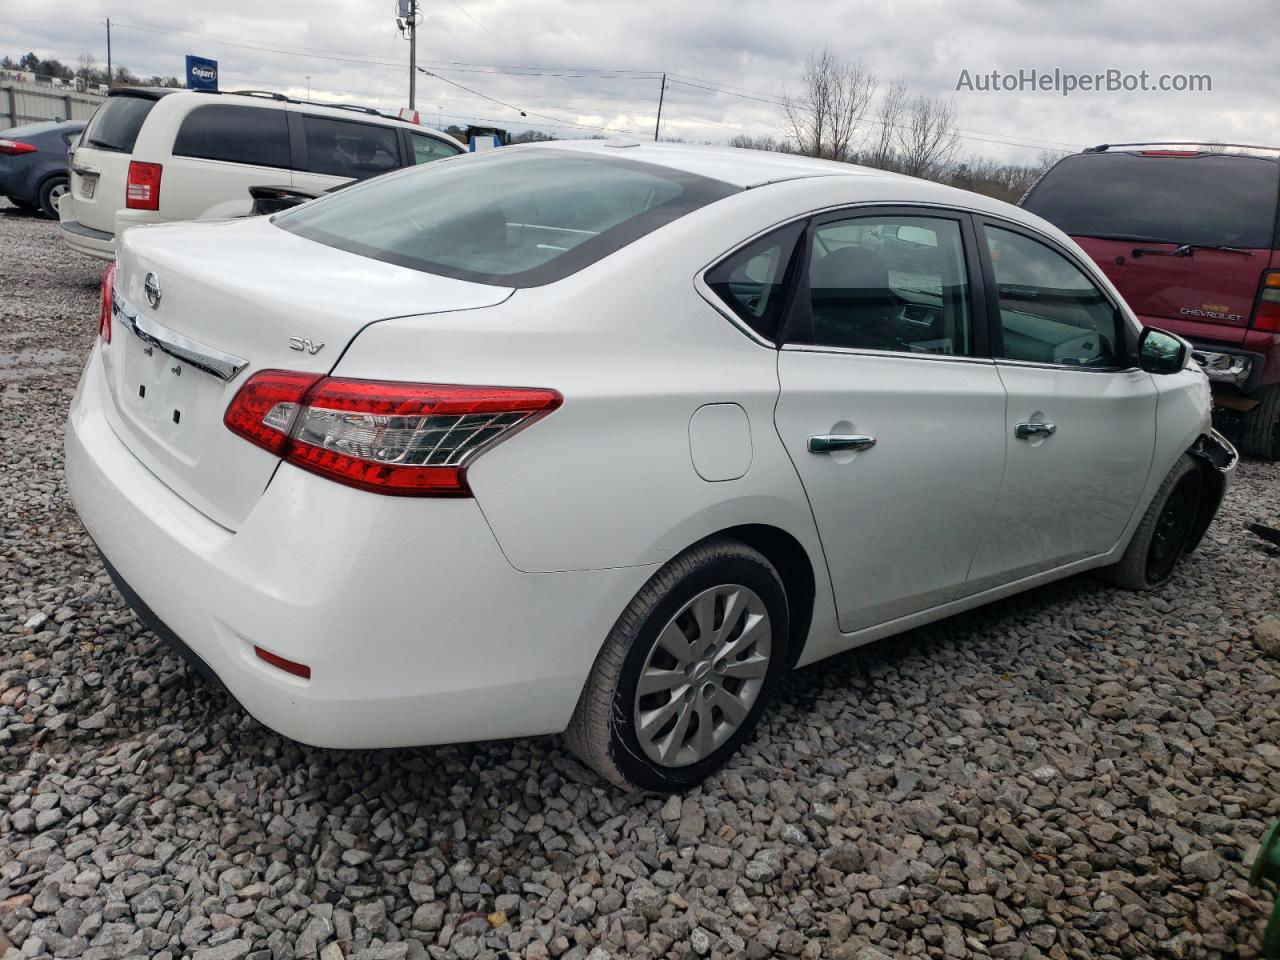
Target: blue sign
[(202, 74)]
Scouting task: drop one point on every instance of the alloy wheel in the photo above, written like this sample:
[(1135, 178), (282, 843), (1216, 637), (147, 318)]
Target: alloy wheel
[(706, 670)]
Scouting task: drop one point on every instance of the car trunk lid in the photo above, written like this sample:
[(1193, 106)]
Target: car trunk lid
[(1209, 291), (201, 307)]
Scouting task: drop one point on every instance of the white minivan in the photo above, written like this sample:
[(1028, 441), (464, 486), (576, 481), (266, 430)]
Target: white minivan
[(155, 154)]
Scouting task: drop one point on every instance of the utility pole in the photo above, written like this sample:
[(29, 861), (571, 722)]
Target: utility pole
[(109, 78), (661, 94), (413, 53)]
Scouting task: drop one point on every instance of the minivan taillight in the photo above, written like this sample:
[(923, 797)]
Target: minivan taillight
[(13, 148), (104, 302), (142, 190), (408, 439), (1266, 315)]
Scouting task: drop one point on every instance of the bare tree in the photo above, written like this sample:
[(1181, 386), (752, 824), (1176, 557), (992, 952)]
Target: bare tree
[(880, 148), (87, 66), (927, 137), (823, 118), (748, 142)]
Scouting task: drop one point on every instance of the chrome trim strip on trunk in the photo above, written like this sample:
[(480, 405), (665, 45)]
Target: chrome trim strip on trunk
[(211, 360)]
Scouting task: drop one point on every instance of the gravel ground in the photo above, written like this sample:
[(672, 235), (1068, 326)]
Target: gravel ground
[(1077, 772)]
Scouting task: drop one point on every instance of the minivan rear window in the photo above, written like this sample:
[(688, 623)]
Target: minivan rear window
[(1212, 199), (116, 123), (516, 217)]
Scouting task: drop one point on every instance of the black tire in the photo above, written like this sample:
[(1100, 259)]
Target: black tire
[(1260, 427), (603, 731), (1161, 537), (48, 198)]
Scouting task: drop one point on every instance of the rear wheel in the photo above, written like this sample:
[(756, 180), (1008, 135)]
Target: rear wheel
[(50, 192), (1260, 427), (1161, 537), (685, 674)]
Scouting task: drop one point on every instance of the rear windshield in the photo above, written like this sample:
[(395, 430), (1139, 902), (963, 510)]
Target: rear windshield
[(1213, 199), (514, 217), (30, 129), (116, 123)]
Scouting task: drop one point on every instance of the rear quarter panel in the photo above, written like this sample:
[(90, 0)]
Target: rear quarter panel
[(608, 479)]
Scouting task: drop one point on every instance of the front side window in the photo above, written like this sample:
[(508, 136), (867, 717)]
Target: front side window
[(512, 217), (426, 149), (753, 280), (887, 283), (222, 131), (341, 148), (1050, 311)]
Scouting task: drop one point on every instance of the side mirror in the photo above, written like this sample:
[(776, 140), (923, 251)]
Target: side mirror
[(1162, 352)]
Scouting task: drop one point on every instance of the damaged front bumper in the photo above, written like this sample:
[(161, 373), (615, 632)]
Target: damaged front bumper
[(1219, 458)]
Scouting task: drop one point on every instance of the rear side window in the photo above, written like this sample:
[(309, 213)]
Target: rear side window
[(224, 131), (516, 217), (426, 149), (1211, 199), (753, 281), (342, 149), (116, 123)]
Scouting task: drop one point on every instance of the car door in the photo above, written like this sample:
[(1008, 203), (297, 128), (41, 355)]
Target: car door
[(219, 151), (1080, 430), (335, 152), (891, 414)]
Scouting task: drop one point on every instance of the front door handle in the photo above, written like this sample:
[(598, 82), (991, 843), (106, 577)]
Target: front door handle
[(1029, 431), (832, 443)]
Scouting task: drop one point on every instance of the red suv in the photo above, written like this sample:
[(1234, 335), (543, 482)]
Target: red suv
[(1188, 232)]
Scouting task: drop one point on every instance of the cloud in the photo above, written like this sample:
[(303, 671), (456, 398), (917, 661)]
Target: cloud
[(351, 51)]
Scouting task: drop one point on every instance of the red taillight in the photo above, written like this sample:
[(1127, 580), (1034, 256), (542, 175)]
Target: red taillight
[(104, 302), (1266, 315), (288, 666), (263, 411), (410, 439), (142, 191), (12, 148)]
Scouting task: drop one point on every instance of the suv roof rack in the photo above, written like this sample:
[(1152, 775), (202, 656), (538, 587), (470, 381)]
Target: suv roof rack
[(273, 95), (1104, 147)]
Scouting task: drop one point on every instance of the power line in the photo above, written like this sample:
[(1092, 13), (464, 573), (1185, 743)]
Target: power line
[(523, 112), (600, 73), (468, 15)]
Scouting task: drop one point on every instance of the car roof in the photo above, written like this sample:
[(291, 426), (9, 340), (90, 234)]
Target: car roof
[(337, 111), (749, 169)]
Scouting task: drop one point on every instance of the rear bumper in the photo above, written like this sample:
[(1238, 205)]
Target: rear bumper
[(416, 628), (86, 240), (1259, 350), (1231, 366)]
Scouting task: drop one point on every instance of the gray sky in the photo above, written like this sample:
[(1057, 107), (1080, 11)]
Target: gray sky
[(352, 51)]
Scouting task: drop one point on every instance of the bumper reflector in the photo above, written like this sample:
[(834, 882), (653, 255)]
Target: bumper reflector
[(288, 666)]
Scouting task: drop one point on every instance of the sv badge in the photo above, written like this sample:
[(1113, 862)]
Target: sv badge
[(306, 343)]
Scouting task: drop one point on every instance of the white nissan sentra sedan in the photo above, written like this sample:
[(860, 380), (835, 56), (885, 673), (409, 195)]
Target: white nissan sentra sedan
[(603, 437)]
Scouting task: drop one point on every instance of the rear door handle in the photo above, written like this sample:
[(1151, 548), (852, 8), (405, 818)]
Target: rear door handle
[(832, 443), (1029, 431)]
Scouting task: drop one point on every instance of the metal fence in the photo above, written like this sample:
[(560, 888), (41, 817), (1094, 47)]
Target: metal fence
[(30, 102)]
